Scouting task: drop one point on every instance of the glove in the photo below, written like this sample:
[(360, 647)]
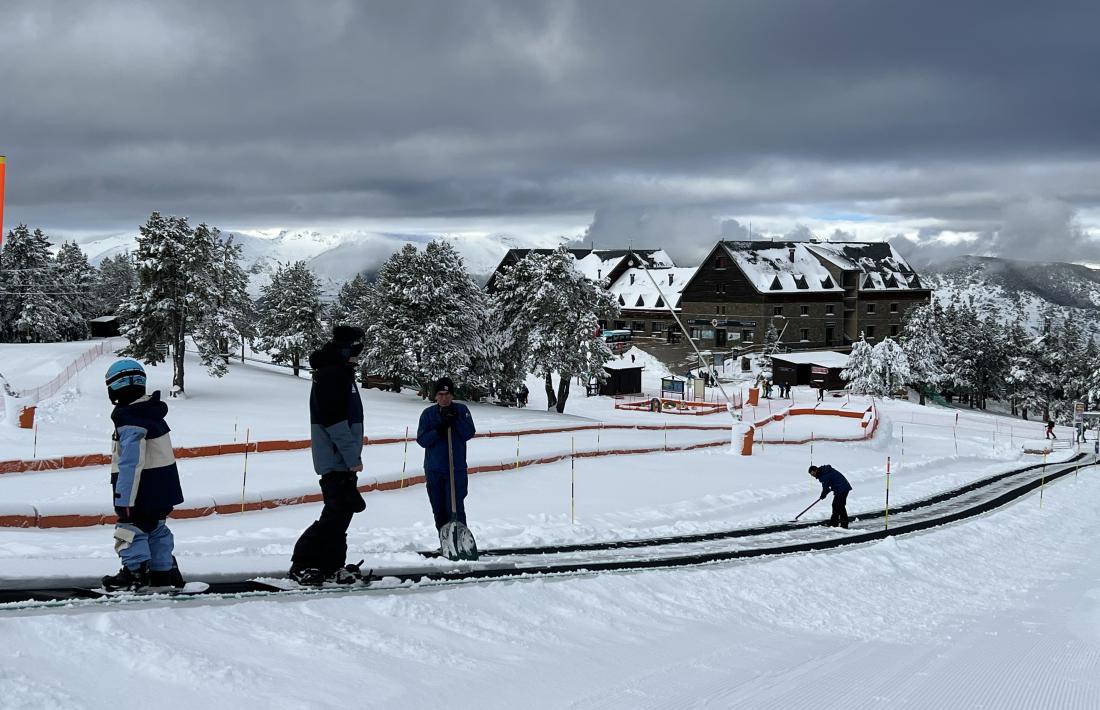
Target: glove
[(446, 421), (823, 496), (123, 514)]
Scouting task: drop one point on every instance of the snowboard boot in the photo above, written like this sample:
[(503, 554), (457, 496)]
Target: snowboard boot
[(307, 576), (128, 579), (167, 578)]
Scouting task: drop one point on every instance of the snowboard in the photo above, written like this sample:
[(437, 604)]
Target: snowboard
[(186, 590)]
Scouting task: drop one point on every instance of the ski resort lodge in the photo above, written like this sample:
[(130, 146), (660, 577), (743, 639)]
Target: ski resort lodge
[(817, 294)]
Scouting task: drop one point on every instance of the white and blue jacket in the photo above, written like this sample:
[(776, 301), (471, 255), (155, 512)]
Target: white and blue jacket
[(143, 465)]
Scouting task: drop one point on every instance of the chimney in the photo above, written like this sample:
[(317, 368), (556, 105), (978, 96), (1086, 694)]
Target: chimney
[(632, 279), (670, 279), (790, 253)]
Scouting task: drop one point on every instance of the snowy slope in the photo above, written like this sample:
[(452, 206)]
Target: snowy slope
[(1006, 288), (334, 255)]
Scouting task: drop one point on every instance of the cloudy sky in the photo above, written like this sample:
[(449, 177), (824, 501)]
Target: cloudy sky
[(965, 126)]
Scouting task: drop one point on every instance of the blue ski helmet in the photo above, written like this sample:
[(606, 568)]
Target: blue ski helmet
[(125, 381)]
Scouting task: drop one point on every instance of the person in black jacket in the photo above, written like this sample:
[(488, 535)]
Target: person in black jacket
[(833, 480), (336, 431)]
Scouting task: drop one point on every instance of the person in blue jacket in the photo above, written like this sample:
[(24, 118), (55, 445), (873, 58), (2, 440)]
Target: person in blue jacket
[(336, 434), (446, 414), (833, 480), (144, 482)]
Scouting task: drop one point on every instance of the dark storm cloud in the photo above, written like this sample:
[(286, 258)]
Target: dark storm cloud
[(265, 113)]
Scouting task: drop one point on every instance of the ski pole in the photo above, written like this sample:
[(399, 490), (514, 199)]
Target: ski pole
[(244, 478), (34, 451), (807, 508)]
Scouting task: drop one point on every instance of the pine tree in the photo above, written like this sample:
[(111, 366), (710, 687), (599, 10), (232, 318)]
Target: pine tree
[(859, 371), (550, 312), (426, 318), (77, 279), (923, 346), (228, 314), (290, 310), (179, 292), (351, 302), (114, 282), (889, 368), (29, 280)]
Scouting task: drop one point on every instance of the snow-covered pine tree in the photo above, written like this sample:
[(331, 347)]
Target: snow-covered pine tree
[(76, 301), (350, 306), (921, 341), (858, 374), (290, 311), (426, 319), (889, 368), (560, 310), (115, 280), (27, 273), (177, 294), (227, 316), (510, 311)]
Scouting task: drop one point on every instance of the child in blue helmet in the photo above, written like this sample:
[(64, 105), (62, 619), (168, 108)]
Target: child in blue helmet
[(144, 480)]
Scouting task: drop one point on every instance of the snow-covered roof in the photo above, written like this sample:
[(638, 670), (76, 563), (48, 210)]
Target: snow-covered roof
[(824, 358), (599, 263), (634, 289), (781, 267), (882, 268)]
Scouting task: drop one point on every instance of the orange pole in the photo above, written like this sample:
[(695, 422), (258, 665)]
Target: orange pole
[(2, 200)]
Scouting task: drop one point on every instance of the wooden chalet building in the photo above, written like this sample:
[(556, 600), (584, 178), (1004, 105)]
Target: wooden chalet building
[(818, 294)]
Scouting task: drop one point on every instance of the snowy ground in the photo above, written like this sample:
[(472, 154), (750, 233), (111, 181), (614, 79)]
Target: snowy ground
[(999, 612)]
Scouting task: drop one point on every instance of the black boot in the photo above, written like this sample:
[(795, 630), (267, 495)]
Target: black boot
[(167, 578), (307, 576), (128, 579)]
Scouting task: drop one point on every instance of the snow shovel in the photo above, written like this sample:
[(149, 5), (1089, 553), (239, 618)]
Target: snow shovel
[(456, 542), (804, 511)]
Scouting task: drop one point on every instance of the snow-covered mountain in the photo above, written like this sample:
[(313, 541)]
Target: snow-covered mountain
[(334, 255), (1007, 287)]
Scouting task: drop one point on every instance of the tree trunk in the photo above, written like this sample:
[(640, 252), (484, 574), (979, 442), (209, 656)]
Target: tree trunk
[(920, 390), (177, 363), (295, 363), (563, 392), (1023, 413), (551, 399)]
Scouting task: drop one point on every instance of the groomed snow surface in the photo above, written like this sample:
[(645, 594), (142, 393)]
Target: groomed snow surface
[(1002, 611)]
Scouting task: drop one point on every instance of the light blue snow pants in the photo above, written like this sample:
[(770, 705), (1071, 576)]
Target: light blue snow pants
[(135, 546)]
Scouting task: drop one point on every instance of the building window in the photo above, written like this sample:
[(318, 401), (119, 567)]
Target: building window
[(804, 334), (830, 310), (803, 310), (717, 310), (723, 310), (720, 262), (893, 308), (656, 326), (637, 326), (870, 308), (777, 310), (869, 332), (893, 331), (720, 289), (746, 336)]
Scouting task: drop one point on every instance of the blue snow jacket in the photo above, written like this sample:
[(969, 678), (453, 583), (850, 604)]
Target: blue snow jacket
[(335, 412), (832, 480), (143, 465), (435, 446)]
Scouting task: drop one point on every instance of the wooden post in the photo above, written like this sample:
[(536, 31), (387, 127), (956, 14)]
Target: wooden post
[(517, 452), (34, 449), (244, 478), (886, 519), (405, 457), (572, 481)]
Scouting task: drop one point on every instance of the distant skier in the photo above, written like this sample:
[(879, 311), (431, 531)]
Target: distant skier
[(1050, 430), (336, 431), (834, 481), (144, 480), (1080, 426), (522, 395), (821, 393), (431, 434)]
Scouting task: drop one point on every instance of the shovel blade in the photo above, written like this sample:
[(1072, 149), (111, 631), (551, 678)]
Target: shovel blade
[(456, 542)]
